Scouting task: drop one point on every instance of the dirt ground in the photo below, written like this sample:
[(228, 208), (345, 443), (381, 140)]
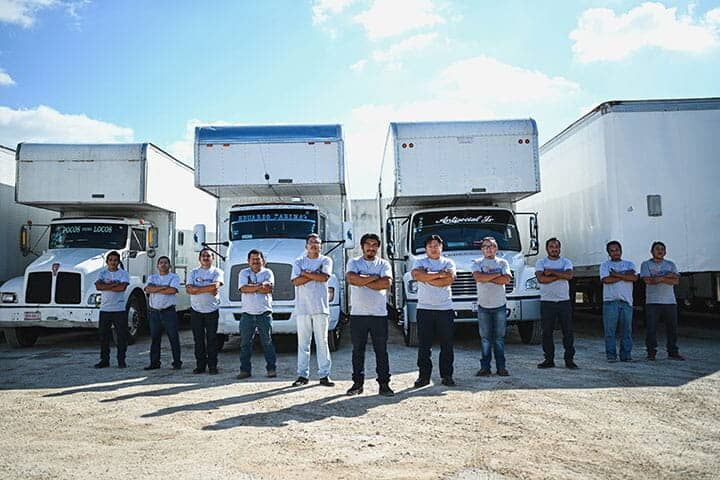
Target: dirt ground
[(63, 419)]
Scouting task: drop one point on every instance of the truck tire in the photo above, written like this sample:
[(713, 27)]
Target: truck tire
[(334, 338), (21, 337), (220, 340), (411, 336), (530, 332), (137, 318)]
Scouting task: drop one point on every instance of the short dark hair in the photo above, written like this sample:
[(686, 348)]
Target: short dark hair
[(369, 236), (612, 242), (656, 243), (436, 238), (255, 251), (552, 239), (112, 253), (312, 235), (206, 249), (165, 257)]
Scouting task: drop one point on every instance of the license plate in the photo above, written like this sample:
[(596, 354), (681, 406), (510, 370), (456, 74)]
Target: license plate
[(474, 307), (32, 315)]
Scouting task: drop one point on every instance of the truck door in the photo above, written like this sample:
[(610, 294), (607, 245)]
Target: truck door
[(137, 262)]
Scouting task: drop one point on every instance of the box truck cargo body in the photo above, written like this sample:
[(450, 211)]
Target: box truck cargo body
[(637, 172), (133, 198), (275, 185), (460, 180), (12, 216)]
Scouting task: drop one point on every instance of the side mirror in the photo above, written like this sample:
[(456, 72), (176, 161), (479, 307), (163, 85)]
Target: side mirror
[(152, 237), (534, 242), (390, 240), (24, 240), (198, 237), (151, 253), (348, 235), (181, 238)]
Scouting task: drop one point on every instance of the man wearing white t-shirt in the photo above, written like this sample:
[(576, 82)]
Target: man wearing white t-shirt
[(162, 289), (617, 276), (553, 273), (112, 282)]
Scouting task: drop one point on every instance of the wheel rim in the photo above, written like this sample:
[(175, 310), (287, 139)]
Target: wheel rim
[(133, 320)]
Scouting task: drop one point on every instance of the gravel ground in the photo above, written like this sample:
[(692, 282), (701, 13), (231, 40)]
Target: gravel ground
[(63, 419)]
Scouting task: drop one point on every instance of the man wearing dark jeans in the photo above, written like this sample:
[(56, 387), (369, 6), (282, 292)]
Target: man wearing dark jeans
[(369, 277), (162, 288), (553, 274), (203, 286), (112, 283), (660, 276), (435, 316)]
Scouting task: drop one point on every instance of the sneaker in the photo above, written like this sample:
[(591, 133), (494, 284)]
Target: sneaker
[(122, 364), (212, 371), (177, 366), (421, 382), (152, 367), (676, 356), (546, 364), (571, 365), (271, 373), (651, 356), (626, 360), (503, 372), (483, 372), (243, 375), (385, 390), (300, 381), (356, 389), (102, 364), (448, 382), (326, 382), (612, 360), (199, 370)]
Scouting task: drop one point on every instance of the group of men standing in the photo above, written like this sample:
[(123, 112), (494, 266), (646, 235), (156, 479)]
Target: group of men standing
[(369, 277)]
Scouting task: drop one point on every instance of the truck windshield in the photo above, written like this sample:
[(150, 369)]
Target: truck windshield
[(273, 223), (108, 236), (465, 229)]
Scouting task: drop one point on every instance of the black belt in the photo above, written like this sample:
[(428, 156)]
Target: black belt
[(162, 309)]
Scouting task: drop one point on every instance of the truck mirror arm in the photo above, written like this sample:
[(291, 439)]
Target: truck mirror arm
[(337, 243), (224, 244)]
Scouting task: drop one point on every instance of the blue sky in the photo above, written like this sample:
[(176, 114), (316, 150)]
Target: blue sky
[(109, 71)]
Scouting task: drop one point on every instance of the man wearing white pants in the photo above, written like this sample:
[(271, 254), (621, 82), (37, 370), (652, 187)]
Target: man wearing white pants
[(310, 275)]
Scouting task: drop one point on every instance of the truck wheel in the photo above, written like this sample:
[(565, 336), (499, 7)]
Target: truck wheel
[(220, 340), (530, 332), (136, 317), (334, 339), (20, 337), (411, 336)]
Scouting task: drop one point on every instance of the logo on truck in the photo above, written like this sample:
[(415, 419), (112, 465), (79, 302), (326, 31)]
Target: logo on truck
[(447, 220)]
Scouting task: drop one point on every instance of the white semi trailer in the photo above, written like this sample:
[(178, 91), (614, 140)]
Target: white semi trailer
[(133, 198), (12, 217), (636, 172), (275, 185), (460, 180)]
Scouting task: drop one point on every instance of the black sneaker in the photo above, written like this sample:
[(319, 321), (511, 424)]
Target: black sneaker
[(385, 390), (483, 372), (102, 364), (356, 389), (651, 356), (177, 366), (546, 364), (122, 364), (503, 372), (448, 382), (243, 375), (421, 382), (326, 382), (571, 365), (212, 371), (676, 356), (300, 381), (272, 373), (199, 370), (152, 367)]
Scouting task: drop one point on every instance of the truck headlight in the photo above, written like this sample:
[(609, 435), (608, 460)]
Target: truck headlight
[(331, 294), (8, 297), (412, 286), (95, 299), (531, 284)]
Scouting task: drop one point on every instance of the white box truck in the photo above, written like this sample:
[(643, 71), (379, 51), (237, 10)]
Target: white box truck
[(460, 180), (12, 217), (133, 198), (275, 185), (636, 172)]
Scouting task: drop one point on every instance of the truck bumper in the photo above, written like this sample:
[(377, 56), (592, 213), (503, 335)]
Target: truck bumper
[(49, 317), (518, 310), (284, 321)]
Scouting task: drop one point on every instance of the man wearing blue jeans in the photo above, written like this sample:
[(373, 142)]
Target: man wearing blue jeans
[(491, 274), (162, 288), (617, 276), (256, 284)]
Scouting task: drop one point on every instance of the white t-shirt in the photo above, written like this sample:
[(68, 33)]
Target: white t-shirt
[(113, 301), (201, 277), (256, 303), (365, 300), (491, 295), (312, 297), (621, 290), (431, 297), (559, 290)]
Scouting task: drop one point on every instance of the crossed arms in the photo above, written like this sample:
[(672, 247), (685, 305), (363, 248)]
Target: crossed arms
[(265, 287), (550, 276), (374, 282), (669, 278), (614, 277), (111, 287), (496, 278), (443, 278), (310, 276)]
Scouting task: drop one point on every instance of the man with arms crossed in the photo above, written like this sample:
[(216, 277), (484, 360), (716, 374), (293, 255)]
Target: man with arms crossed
[(617, 276), (660, 276), (369, 277), (112, 283), (162, 288), (310, 275), (256, 285), (553, 273), (203, 286)]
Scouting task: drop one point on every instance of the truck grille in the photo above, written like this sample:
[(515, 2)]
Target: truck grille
[(38, 287), (67, 288), (465, 286), (283, 289)]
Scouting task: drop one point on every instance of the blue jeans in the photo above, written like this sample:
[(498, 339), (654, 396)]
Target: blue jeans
[(248, 324), (616, 313), (492, 323), (164, 320)]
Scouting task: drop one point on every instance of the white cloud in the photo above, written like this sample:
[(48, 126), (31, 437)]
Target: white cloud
[(601, 34), (407, 47), (22, 12), (323, 9), (45, 124), (359, 66), (388, 18), (5, 79)]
